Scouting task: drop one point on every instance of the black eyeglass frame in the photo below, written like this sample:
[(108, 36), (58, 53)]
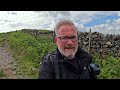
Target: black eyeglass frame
[(65, 39)]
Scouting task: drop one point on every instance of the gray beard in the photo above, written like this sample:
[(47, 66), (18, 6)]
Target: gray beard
[(68, 56)]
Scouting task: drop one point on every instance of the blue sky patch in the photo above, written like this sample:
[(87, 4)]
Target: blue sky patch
[(101, 20)]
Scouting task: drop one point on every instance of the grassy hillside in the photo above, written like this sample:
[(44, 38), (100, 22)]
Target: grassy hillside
[(28, 51)]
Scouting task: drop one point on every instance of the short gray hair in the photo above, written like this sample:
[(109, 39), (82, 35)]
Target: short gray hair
[(63, 22)]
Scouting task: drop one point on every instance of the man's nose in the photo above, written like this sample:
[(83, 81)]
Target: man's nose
[(69, 41)]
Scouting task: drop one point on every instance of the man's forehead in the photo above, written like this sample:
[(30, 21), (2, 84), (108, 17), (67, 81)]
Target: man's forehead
[(68, 34), (67, 29)]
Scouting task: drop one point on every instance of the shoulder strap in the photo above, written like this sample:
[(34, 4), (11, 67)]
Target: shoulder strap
[(52, 58), (56, 67), (91, 71)]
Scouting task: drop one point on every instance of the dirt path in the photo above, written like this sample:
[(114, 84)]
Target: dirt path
[(7, 64)]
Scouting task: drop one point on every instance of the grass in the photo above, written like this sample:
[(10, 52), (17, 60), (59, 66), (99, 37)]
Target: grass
[(109, 66), (28, 52), (1, 73)]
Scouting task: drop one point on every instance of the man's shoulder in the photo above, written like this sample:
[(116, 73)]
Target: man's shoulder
[(49, 56)]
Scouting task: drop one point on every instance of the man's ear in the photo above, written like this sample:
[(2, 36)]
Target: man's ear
[(54, 39)]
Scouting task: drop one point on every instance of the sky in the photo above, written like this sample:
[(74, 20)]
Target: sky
[(106, 22)]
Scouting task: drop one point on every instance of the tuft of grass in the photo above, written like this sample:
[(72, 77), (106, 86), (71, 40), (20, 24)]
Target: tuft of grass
[(1, 73)]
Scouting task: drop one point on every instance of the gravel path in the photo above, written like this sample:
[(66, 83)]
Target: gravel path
[(7, 64)]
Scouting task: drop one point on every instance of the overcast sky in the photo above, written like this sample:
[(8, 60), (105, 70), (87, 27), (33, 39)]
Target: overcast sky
[(100, 21)]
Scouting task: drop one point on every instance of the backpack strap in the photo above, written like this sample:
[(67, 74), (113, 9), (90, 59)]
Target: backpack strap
[(91, 69), (57, 68)]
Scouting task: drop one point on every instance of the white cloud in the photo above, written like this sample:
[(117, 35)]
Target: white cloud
[(16, 20), (107, 21), (108, 28)]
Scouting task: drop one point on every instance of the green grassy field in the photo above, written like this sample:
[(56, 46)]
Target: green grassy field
[(28, 51)]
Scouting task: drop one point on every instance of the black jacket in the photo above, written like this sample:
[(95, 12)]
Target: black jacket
[(55, 66)]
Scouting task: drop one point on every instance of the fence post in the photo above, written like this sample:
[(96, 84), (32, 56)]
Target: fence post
[(89, 41)]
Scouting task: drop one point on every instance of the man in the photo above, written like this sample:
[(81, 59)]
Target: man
[(69, 61)]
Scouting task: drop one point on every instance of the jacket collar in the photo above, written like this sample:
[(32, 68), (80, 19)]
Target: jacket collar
[(81, 55)]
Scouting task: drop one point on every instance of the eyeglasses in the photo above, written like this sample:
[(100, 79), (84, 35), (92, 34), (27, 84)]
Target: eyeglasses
[(66, 39)]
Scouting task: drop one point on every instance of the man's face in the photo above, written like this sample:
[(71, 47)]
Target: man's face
[(66, 40)]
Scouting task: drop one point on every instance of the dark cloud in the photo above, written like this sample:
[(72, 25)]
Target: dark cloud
[(11, 12), (38, 11), (56, 13), (6, 21), (52, 13), (41, 13), (14, 13), (66, 13)]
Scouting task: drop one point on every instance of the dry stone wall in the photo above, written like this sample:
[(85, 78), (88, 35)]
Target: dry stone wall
[(99, 43)]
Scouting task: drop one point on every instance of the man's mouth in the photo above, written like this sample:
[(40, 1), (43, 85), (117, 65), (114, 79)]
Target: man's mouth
[(68, 48)]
